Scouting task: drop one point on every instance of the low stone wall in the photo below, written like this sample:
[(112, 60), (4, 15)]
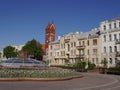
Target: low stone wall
[(41, 79)]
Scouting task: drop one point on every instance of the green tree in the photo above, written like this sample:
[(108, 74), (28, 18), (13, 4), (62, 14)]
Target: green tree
[(118, 64), (80, 65), (104, 62), (33, 49), (9, 52), (91, 66)]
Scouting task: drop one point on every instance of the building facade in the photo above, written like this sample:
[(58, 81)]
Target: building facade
[(93, 46), (74, 47), (110, 38)]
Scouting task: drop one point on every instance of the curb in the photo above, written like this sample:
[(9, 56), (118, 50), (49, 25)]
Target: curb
[(41, 79)]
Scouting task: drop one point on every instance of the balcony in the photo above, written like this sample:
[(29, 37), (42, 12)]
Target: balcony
[(80, 47), (67, 40), (117, 54), (117, 41), (80, 56), (68, 53)]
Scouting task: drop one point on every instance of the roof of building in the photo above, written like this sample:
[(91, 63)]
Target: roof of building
[(50, 25), (88, 34), (55, 42)]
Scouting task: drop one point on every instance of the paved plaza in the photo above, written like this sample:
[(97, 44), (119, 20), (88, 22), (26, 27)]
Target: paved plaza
[(90, 81)]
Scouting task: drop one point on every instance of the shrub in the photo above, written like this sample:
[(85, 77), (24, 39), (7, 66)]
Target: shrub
[(114, 70), (91, 66), (80, 66)]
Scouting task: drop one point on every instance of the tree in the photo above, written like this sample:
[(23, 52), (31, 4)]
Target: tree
[(80, 65), (33, 49), (104, 62), (118, 64), (9, 52)]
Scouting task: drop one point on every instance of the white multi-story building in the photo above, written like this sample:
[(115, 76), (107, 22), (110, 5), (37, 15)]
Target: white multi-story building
[(110, 37)]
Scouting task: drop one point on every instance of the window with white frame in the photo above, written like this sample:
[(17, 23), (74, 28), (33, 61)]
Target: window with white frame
[(119, 24), (115, 37), (95, 42), (110, 60), (88, 52), (109, 26), (96, 60), (114, 25), (104, 27), (110, 49), (119, 36), (104, 38), (110, 37), (115, 48), (88, 42), (116, 60), (94, 51), (104, 49), (93, 60)]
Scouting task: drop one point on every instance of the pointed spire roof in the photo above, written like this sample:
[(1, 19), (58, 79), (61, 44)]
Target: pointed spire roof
[(50, 25)]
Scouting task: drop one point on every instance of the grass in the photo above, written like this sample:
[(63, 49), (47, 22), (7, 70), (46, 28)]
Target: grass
[(36, 73)]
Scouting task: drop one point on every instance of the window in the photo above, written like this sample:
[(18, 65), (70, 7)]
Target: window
[(104, 38), (79, 43), (88, 42), (71, 44), (92, 60), (109, 26), (104, 49), (96, 60), (57, 53), (68, 47), (74, 52), (110, 37), (115, 48), (104, 27), (83, 43), (71, 52), (119, 36), (95, 42), (115, 37), (94, 51), (116, 60), (114, 25), (50, 53), (110, 60), (74, 44), (87, 52), (119, 24), (63, 53), (110, 48), (50, 47)]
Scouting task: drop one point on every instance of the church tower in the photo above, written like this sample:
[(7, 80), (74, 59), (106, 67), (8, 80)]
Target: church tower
[(49, 34)]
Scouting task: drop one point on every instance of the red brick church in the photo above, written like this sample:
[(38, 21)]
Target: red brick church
[(49, 36)]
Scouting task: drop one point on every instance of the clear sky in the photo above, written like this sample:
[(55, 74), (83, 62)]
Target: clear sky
[(23, 20)]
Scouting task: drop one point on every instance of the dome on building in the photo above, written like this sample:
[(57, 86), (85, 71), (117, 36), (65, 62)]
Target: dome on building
[(21, 63)]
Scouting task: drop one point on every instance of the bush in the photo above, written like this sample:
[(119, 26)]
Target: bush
[(91, 66), (114, 70), (80, 66)]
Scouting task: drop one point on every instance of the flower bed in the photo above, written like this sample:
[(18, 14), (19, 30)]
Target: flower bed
[(36, 73)]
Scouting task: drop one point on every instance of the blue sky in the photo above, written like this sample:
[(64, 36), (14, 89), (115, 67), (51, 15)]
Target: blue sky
[(23, 20)]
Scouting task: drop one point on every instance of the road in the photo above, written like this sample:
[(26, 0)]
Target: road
[(90, 81)]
